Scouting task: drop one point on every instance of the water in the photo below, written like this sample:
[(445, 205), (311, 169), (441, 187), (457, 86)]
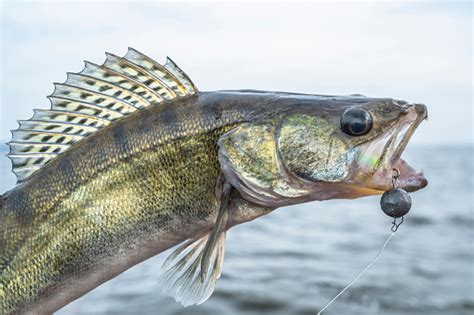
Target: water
[(296, 259)]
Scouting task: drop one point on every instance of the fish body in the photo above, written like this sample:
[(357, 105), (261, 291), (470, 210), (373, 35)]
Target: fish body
[(181, 170), (128, 193)]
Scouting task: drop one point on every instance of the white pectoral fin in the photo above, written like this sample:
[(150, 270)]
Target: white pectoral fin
[(190, 273)]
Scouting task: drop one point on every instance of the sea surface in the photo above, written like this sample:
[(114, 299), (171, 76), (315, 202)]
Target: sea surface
[(294, 260)]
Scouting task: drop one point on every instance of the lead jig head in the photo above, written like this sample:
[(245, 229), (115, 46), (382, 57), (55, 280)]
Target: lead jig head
[(395, 202)]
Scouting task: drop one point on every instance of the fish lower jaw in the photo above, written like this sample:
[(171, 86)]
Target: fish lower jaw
[(408, 178), (366, 181)]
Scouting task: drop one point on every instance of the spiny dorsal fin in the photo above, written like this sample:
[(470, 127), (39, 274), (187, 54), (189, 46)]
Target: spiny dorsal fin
[(90, 100)]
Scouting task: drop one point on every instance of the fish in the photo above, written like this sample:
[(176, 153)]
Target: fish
[(132, 159)]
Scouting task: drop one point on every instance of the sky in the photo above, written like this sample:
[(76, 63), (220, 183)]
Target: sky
[(418, 51)]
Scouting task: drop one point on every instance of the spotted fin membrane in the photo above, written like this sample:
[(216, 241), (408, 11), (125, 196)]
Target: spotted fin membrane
[(90, 100)]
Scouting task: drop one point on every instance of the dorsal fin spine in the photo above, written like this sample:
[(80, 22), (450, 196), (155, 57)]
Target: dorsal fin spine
[(24, 172), (168, 88), (180, 75), (61, 89), (113, 61), (13, 143), (74, 83), (94, 68), (56, 103), (81, 116), (169, 78), (35, 154), (38, 113), (85, 108), (19, 147), (67, 128), (45, 136), (90, 100), (114, 86), (24, 122)]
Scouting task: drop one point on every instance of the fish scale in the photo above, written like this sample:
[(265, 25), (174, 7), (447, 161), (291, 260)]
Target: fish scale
[(113, 199), (55, 199), (132, 159)]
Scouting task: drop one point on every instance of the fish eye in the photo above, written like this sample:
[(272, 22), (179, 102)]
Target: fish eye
[(356, 121)]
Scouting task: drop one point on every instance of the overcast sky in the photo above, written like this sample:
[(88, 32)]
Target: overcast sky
[(418, 52)]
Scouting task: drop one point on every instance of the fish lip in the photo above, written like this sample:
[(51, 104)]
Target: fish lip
[(422, 114), (378, 178), (409, 179)]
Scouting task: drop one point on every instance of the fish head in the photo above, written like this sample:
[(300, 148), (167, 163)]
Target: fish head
[(379, 158), (356, 145), (334, 148)]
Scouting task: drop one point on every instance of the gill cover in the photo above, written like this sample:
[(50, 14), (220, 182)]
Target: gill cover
[(282, 160), (250, 162), (311, 149)]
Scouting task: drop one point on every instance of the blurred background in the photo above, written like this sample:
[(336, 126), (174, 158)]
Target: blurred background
[(296, 259)]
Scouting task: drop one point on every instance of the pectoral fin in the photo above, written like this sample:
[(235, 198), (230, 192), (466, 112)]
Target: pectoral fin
[(190, 273)]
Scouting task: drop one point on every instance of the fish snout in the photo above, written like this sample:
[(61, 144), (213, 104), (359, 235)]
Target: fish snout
[(421, 110)]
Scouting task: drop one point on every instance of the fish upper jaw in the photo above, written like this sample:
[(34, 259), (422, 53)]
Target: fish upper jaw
[(377, 160)]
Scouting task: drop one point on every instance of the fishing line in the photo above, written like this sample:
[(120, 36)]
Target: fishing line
[(360, 273), (395, 203)]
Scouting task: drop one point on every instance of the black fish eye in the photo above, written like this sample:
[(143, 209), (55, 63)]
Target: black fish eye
[(356, 121)]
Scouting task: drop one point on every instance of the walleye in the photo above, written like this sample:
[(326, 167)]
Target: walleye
[(131, 159)]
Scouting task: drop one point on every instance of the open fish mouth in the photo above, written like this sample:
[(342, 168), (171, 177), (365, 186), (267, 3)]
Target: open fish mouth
[(380, 159)]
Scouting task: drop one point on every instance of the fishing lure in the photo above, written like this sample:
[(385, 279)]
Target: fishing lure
[(395, 203)]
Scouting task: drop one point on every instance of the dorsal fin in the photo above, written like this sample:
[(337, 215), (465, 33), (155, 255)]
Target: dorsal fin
[(90, 100)]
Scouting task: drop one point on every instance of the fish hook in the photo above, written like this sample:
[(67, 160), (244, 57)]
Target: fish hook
[(395, 176)]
